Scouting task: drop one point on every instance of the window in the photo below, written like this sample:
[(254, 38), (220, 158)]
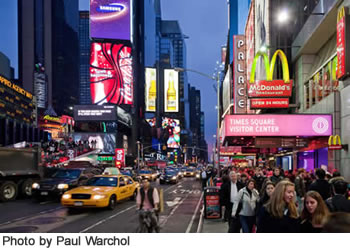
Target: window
[(307, 95)]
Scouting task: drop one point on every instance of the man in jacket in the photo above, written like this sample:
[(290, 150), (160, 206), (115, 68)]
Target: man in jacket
[(339, 203), (148, 199), (259, 178), (320, 184), (229, 192), (276, 177)]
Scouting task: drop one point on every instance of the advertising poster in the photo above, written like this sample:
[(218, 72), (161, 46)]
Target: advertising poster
[(227, 92), (212, 206), (262, 34), (174, 129), (110, 19), (111, 74), (250, 39), (40, 89), (119, 157), (171, 90), (150, 89)]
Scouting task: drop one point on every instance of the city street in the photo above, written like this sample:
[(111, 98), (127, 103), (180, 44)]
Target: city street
[(180, 214)]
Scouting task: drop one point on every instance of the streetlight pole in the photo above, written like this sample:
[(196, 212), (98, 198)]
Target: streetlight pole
[(138, 155), (217, 79)]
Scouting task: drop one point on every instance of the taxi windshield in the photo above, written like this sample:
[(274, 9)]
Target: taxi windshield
[(103, 181), (145, 172)]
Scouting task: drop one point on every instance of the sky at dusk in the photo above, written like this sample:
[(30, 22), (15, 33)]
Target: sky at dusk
[(204, 21)]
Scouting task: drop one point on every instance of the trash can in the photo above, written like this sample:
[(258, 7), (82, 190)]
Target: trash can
[(212, 208)]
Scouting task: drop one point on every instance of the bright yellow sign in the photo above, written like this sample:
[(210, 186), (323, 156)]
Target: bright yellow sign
[(334, 142)]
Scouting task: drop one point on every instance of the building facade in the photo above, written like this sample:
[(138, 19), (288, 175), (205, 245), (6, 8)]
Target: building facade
[(84, 59)]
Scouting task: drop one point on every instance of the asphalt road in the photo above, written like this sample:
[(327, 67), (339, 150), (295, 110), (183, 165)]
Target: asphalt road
[(182, 203)]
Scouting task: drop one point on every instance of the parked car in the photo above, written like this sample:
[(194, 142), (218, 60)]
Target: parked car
[(101, 191), (169, 176), (62, 180)]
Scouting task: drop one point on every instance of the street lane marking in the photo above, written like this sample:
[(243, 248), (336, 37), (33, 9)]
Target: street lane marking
[(174, 202), (173, 211), (194, 215), (104, 220), (30, 216)]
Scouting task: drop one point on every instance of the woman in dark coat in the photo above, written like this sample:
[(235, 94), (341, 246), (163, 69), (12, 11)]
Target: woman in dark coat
[(280, 214), (315, 213)]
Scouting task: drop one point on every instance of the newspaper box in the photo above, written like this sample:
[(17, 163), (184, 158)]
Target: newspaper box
[(212, 208)]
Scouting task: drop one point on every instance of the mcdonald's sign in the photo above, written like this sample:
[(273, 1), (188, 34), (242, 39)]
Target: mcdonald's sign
[(334, 142), (269, 87), (343, 38)]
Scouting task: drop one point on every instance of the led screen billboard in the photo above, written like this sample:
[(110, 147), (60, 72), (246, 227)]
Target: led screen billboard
[(150, 89), (104, 141), (111, 74), (174, 129), (110, 19), (171, 90), (95, 113)]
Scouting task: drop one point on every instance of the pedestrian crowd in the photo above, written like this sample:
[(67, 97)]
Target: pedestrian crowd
[(276, 201)]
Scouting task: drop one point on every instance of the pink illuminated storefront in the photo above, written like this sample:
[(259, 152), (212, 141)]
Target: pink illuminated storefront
[(303, 138)]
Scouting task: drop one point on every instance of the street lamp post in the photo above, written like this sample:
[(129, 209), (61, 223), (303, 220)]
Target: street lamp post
[(138, 154), (217, 79)]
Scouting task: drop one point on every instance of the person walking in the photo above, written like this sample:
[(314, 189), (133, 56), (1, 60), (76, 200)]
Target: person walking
[(229, 193), (314, 214), (339, 203), (276, 177), (266, 193), (204, 178), (247, 197), (259, 178), (280, 214), (320, 185), (300, 188)]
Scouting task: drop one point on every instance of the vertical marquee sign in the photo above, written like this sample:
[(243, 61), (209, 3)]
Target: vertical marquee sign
[(343, 37), (239, 75)]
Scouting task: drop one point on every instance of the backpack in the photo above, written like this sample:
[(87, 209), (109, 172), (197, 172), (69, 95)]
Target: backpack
[(204, 175)]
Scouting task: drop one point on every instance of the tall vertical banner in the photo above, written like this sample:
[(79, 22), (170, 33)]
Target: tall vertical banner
[(250, 38), (239, 79), (150, 89), (343, 38), (111, 74), (171, 90), (110, 19), (40, 89), (119, 157), (227, 91), (262, 31)]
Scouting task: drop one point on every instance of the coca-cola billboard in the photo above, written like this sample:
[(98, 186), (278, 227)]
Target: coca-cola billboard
[(111, 74)]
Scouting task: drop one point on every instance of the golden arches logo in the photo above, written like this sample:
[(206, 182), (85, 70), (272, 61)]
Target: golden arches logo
[(269, 67), (334, 140)]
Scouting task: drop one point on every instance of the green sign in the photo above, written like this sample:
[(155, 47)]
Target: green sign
[(105, 158)]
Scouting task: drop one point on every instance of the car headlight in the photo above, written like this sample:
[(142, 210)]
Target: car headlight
[(162, 177), (173, 178), (66, 196), (35, 186), (98, 196), (62, 186), (197, 175)]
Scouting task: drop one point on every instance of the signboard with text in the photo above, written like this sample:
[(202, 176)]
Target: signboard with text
[(119, 157), (261, 103), (95, 113), (278, 125), (343, 38), (239, 75)]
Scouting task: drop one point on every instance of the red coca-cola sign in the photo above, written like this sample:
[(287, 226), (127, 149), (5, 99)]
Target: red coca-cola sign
[(274, 88), (119, 157), (111, 76)]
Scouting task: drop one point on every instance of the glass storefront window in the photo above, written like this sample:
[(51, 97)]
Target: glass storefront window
[(335, 82), (318, 85)]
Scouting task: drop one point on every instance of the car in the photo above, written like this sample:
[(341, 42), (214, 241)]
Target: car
[(147, 174), (189, 172), (101, 191), (62, 180), (129, 172), (169, 176)]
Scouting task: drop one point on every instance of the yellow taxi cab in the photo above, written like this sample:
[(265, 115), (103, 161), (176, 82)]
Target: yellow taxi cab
[(101, 191), (148, 174)]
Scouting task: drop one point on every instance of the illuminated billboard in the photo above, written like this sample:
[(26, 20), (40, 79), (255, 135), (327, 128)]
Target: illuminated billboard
[(173, 126), (110, 19), (106, 142), (111, 74), (40, 89), (171, 90), (95, 113), (150, 89)]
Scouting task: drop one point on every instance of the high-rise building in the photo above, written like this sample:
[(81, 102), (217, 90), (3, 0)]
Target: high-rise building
[(84, 62), (48, 36)]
